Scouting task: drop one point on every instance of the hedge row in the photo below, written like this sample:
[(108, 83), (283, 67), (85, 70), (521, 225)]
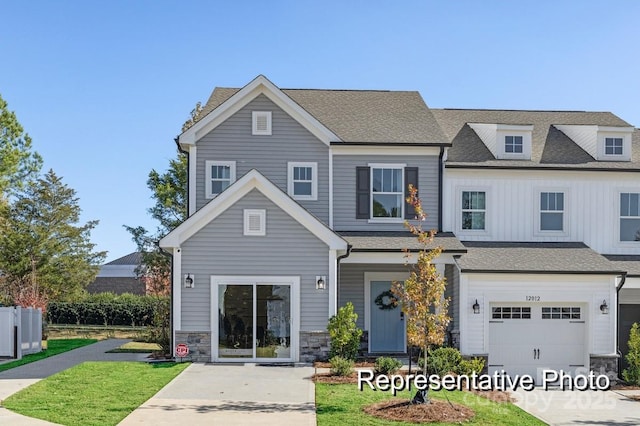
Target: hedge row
[(105, 309)]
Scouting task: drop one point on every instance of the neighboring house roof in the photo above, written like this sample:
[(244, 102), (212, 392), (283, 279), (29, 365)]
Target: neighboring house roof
[(227, 198), (360, 116), (129, 259), (551, 148), (398, 240), (629, 263), (536, 258)]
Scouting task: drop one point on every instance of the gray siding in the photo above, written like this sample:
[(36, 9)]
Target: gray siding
[(233, 141), (452, 291), (351, 284), (220, 248), (344, 192)]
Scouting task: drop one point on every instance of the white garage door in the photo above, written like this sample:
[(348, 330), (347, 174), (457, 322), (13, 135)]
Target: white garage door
[(525, 339)]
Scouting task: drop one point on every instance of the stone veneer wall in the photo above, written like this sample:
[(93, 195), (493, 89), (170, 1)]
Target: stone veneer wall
[(314, 346), (199, 343), (603, 364)]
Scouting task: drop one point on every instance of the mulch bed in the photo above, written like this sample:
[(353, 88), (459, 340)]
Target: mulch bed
[(434, 411)]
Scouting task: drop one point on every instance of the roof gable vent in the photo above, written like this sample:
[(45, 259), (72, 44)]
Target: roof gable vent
[(255, 222), (261, 122)]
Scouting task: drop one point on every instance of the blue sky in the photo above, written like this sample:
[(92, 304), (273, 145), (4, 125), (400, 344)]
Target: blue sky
[(104, 87)]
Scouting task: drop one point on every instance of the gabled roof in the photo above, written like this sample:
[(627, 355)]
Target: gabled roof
[(252, 180), (551, 148), (360, 116), (258, 86), (534, 258), (394, 241)]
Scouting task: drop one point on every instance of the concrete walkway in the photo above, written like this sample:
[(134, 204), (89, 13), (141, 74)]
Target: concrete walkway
[(563, 408), (16, 379), (232, 395)]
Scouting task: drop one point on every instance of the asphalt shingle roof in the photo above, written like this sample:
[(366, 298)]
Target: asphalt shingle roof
[(518, 257), (629, 263), (129, 259), (398, 240), (550, 148), (361, 116)]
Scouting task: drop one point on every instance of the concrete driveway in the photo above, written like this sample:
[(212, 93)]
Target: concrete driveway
[(560, 408), (232, 395)]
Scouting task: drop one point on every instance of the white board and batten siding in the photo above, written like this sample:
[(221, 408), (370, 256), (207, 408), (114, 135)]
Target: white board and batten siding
[(591, 205), (586, 291), (287, 249), (269, 154), (344, 190)]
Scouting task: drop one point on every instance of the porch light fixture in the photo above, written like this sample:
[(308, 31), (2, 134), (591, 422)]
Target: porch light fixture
[(476, 307), (604, 308), (188, 280), (321, 282)]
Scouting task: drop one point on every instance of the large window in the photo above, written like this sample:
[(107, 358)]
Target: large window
[(551, 211), (613, 146), (219, 175), (303, 181), (387, 196), (513, 144), (629, 216), (473, 210)]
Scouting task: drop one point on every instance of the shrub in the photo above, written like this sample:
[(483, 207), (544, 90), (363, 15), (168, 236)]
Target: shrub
[(341, 366), (632, 373), (345, 335), (387, 365), (443, 360), (470, 366)]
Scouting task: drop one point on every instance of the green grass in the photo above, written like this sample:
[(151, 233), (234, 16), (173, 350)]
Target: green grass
[(340, 405), (54, 347), (93, 393)]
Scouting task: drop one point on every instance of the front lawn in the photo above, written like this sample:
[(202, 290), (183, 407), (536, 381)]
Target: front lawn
[(93, 393), (340, 405), (54, 347)]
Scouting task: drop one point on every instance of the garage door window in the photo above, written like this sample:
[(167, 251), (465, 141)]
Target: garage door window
[(561, 312), (511, 312)]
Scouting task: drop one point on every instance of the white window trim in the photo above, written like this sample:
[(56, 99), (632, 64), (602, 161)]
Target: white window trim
[(385, 166), (604, 141), (618, 216), (314, 180), (626, 146), (502, 131), (487, 204), (262, 213), (565, 216), (254, 118), (208, 164)]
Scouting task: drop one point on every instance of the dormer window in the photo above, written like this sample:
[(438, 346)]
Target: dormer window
[(513, 144), (613, 146)]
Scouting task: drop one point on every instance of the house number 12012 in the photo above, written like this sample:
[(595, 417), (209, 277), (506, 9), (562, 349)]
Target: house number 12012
[(533, 298)]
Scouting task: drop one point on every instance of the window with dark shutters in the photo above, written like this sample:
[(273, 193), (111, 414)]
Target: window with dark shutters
[(362, 193), (410, 178)]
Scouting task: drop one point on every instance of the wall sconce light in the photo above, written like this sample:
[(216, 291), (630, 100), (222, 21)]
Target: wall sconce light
[(604, 308), (321, 282), (476, 307), (188, 281)]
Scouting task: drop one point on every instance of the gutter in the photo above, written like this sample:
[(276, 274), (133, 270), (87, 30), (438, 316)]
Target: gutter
[(440, 183), (618, 351)]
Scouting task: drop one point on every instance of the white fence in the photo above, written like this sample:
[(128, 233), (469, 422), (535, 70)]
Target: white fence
[(20, 331)]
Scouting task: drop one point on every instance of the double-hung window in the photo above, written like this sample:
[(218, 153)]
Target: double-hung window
[(629, 216), (474, 210), (551, 211), (219, 175), (513, 144), (387, 192), (303, 181), (613, 146)]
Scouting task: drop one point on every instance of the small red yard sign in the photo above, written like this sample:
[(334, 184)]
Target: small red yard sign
[(182, 350)]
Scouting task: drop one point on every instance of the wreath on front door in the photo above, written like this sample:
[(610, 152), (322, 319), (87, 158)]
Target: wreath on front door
[(386, 301)]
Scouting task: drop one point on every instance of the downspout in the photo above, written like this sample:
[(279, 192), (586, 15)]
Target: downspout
[(622, 281), (440, 183), (338, 259)]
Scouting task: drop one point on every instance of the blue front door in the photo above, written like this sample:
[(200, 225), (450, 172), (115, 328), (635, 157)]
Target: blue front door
[(387, 330)]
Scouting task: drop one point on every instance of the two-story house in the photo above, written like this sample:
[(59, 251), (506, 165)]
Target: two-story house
[(296, 207), (547, 204)]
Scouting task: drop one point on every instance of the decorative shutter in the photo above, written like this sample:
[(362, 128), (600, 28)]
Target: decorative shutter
[(410, 178), (363, 192)]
